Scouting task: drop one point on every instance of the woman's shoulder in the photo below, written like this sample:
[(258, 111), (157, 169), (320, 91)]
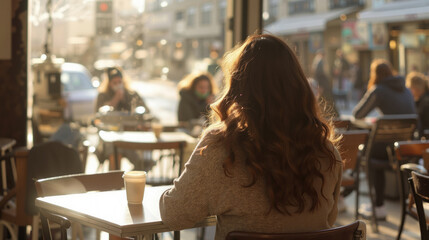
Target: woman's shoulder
[(211, 136), (186, 93)]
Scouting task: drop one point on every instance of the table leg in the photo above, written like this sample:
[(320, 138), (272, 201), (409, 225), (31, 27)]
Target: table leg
[(176, 235)]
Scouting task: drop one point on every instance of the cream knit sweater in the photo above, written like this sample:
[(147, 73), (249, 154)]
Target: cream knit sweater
[(203, 190)]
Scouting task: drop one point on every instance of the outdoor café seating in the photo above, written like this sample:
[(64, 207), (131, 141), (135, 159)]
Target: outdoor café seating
[(170, 162), (384, 133), (351, 150), (404, 161)]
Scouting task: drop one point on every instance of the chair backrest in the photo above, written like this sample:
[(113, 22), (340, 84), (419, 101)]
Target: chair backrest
[(389, 129), (409, 149), (70, 184), (349, 146), (354, 231), (49, 159), (420, 187), (342, 124), (79, 183), (177, 147)]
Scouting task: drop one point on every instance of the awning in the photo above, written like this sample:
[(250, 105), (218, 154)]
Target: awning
[(397, 12), (305, 23)]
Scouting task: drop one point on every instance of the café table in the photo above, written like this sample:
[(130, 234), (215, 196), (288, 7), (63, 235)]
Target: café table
[(109, 211), (108, 137)]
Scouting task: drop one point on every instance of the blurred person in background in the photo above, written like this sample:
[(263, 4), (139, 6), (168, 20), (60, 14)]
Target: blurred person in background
[(268, 131), (197, 91), (388, 94), (116, 93), (419, 87), (340, 71), (325, 85)]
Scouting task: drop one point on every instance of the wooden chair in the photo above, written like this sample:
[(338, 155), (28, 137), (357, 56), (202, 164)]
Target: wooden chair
[(350, 148), (167, 173), (63, 223), (44, 160), (385, 132), (8, 167), (12, 205), (406, 151), (420, 188), (354, 231), (70, 184)]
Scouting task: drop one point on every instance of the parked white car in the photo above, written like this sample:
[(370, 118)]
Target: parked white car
[(78, 92)]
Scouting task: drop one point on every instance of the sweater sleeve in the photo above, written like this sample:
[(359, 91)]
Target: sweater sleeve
[(339, 174), (187, 203), (366, 104)]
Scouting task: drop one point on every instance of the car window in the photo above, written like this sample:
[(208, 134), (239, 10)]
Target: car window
[(75, 81)]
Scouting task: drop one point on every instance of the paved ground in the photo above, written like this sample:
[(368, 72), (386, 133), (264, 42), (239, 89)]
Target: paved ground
[(161, 96)]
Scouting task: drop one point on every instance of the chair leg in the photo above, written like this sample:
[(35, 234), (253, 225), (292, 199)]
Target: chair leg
[(1, 232), (401, 226), (35, 228), (202, 233), (176, 235), (22, 232), (374, 223), (80, 231), (400, 178), (97, 234), (74, 230), (357, 201)]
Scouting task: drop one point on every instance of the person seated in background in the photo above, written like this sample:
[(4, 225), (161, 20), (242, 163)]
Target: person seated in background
[(419, 87), (115, 93), (388, 94), (268, 163), (197, 91)]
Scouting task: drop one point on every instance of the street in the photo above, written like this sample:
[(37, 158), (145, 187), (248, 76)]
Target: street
[(161, 96)]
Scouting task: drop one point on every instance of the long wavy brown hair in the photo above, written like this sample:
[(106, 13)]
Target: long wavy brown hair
[(379, 70), (269, 112)]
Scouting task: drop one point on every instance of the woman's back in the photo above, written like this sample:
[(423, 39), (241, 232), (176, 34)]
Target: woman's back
[(242, 208), (390, 96)]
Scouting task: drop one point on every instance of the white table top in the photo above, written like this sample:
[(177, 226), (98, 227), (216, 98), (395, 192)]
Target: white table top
[(110, 212), (141, 136)]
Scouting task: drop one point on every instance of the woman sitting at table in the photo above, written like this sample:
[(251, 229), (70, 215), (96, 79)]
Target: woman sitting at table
[(116, 93), (268, 164), (197, 92), (388, 94)]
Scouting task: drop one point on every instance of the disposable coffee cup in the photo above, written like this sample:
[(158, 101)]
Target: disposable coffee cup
[(135, 182), (157, 129)]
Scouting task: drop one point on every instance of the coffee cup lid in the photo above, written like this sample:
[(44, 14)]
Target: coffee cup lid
[(134, 174)]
